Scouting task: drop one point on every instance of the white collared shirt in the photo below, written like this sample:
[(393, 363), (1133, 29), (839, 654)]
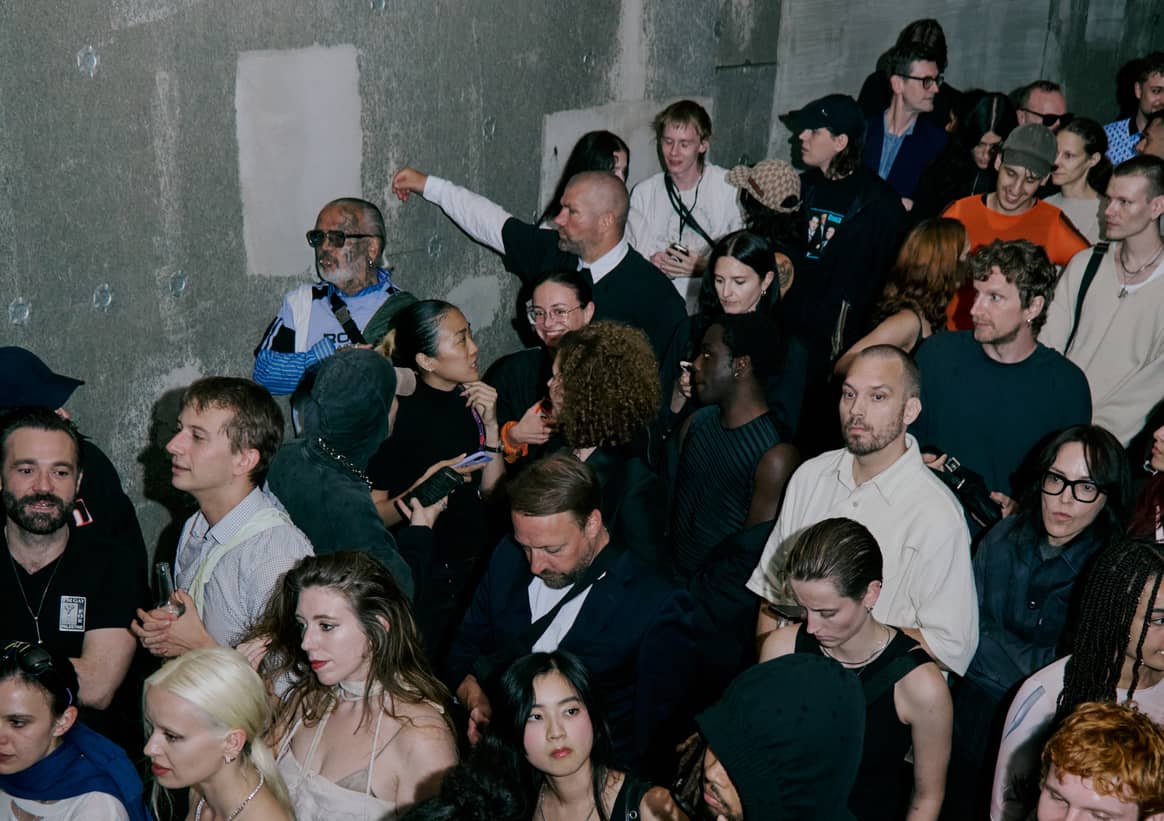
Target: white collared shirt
[(542, 600), (927, 583), (607, 262)]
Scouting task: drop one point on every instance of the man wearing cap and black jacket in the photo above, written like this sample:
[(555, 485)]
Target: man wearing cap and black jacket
[(784, 742), (840, 280), (101, 507)]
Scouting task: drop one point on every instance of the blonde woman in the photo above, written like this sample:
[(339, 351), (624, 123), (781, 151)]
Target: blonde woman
[(206, 713)]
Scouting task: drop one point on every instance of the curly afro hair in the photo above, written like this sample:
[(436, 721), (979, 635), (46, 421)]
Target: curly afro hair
[(610, 384)]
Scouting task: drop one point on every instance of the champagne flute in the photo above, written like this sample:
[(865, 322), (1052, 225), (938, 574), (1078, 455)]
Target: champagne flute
[(164, 577)]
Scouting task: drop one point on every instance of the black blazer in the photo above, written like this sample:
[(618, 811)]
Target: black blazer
[(635, 634)]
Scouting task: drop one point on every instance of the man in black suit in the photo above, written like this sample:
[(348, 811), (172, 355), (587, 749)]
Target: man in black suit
[(590, 235), (559, 583)]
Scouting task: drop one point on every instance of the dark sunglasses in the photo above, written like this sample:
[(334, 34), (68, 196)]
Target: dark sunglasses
[(337, 239), (1051, 120), (35, 661)]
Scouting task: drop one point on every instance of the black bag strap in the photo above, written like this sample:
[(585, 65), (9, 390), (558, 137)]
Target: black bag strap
[(340, 309), (1088, 275), (486, 667), (879, 683), (685, 215)]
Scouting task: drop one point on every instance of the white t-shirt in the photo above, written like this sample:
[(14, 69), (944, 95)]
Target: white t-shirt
[(653, 222), (90, 806)]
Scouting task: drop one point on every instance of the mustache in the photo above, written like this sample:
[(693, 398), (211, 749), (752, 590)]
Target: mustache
[(38, 498)]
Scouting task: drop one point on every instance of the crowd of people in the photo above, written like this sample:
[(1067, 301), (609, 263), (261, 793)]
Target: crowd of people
[(830, 494)]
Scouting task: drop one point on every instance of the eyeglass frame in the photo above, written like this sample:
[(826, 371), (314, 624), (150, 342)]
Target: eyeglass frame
[(1070, 483), (21, 650), (565, 313), (927, 82), (1050, 120), (329, 236)]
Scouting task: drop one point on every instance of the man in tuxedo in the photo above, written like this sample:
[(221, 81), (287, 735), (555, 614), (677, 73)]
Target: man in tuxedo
[(559, 583)]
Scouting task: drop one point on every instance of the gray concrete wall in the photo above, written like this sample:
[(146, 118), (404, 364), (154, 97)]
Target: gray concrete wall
[(122, 257)]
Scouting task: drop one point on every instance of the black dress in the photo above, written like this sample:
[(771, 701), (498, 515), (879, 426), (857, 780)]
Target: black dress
[(880, 793), (432, 425)]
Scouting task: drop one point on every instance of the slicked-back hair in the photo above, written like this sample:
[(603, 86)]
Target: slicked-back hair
[(928, 34), (1119, 577), (558, 483), (840, 551), (594, 151), (256, 421), (1147, 166), (1094, 142), (370, 216), (1023, 263), (902, 57), (37, 418), (1022, 95)]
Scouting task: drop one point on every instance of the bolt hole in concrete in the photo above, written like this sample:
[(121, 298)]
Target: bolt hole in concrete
[(87, 61), (102, 297), (178, 283), (19, 311)]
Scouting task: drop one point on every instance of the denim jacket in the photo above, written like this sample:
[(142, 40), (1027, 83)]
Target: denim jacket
[(1022, 601)]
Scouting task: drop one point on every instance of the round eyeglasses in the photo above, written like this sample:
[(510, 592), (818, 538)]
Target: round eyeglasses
[(537, 316)]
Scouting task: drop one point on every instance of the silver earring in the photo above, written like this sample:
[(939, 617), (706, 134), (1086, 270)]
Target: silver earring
[(229, 759)]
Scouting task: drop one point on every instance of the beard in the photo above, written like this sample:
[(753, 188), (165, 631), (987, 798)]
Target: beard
[(42, 523), (998, 338), (873, 439), (557, 580)]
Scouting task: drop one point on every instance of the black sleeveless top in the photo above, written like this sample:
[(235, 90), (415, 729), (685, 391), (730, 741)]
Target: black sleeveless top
[(879, 793)]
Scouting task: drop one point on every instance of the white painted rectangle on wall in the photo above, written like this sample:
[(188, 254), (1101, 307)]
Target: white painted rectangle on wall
[(300, 143)]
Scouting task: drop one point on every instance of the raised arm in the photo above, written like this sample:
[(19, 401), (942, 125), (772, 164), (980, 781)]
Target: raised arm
[(480, 218)]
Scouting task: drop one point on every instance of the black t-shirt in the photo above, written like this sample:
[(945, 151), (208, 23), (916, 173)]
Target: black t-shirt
[(93, 585)]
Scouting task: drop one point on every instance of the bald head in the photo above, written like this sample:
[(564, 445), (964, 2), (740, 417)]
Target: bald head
[(604, 193)]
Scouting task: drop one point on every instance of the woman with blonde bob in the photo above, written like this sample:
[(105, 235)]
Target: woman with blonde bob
[(363, 724), (207, 712), (929, 268)]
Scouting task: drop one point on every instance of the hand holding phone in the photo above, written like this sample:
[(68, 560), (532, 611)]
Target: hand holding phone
[(435, 487)]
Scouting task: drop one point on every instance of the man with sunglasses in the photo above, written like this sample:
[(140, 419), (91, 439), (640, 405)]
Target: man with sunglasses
[(62, 586), (898, 144), (317, 319), (1124, 135), (1041, 102)]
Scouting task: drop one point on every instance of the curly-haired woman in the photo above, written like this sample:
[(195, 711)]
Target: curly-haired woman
[(605, 392)]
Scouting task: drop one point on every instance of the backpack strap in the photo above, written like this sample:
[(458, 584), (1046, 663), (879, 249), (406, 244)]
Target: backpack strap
[(1088, 275)]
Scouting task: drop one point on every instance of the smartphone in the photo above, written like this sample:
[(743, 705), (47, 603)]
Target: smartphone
[(435, 487), (479, 458), (678, 248)]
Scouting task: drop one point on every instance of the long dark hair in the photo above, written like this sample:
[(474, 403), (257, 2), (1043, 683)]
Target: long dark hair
[(1094, 142), (1121, 575), (752, 250), (594, 151), (1150, 503), (985, 112), (398, 662), (517, 690), (1107, 466)]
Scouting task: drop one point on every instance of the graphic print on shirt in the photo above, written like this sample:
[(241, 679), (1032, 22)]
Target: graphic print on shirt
[(72, 616), (822, 226)]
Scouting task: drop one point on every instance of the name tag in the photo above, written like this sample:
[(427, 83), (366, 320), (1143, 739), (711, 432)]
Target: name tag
[(72, 617)]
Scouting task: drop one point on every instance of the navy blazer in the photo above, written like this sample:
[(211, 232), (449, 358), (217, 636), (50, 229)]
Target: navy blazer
[(635, 633), (917, 151)]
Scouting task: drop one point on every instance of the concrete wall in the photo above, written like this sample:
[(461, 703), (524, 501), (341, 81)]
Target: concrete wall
[(122, 252)]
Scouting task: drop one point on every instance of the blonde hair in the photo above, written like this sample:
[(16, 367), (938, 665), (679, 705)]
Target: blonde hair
[(220, 683)]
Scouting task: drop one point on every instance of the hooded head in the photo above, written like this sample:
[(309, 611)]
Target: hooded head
[(789, 732), (348, 404)]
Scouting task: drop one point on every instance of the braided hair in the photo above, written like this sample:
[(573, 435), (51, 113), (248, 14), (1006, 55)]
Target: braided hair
[(1121, 575)]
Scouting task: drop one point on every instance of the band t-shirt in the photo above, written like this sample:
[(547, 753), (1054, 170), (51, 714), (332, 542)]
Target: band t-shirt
[(93, 585)]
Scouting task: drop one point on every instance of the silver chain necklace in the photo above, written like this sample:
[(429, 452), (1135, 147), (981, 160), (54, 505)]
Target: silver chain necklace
[(238, 809), (863, 662), (1129, 274), (44, 594), (542, 812)]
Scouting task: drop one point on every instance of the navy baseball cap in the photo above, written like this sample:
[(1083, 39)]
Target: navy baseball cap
[(26, 381), (839, 113)]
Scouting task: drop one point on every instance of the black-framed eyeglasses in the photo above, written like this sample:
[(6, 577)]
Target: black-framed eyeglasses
[(927, 82), (1051, 120), (538, 316), (1084, 490), (316, 237)]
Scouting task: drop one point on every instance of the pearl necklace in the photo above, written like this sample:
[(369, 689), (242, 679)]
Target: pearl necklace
[(238, 809)]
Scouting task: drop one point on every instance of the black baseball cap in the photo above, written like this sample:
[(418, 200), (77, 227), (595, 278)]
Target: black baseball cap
[(839, 113), (26, 380)]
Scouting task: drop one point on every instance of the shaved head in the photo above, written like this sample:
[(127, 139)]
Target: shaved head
[(604, 193), (911, 375)]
